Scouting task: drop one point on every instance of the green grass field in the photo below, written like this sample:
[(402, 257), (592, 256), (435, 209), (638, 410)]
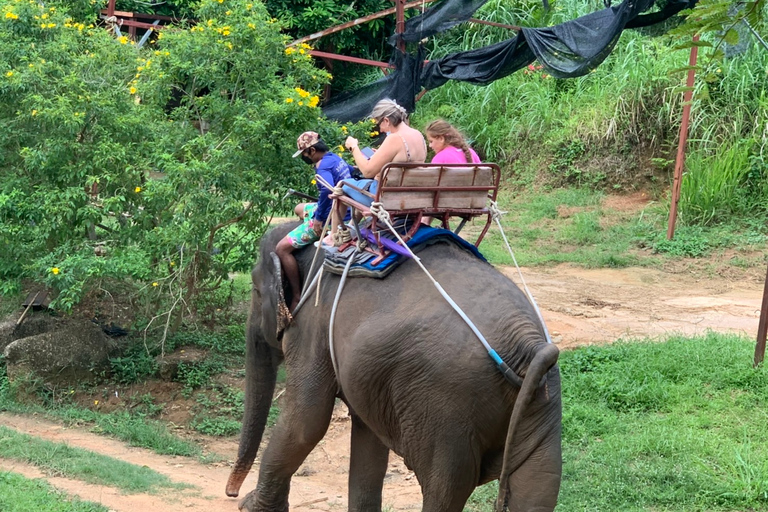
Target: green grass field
[(19, 494), (64, 460), (662, 426)]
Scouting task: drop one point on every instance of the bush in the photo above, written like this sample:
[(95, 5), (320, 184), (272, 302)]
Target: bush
[(158, 166)]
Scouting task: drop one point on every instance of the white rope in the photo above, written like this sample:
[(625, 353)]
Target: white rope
[(333, 317), (496, 214)]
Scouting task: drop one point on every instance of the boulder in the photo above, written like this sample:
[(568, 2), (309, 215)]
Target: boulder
[(66, 354)]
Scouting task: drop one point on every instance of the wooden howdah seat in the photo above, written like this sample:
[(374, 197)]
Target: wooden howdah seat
[(438, 191)]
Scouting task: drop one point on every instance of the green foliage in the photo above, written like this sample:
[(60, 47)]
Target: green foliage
[(730, 182), (157, 166), (197, 375), (661, 426), (80, 464), (19, 494), (135, 365), (303, 17)]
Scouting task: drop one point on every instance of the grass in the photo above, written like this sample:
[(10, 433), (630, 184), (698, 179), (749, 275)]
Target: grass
[(672, 426), (19, 494), (572, 225), (64, 460)]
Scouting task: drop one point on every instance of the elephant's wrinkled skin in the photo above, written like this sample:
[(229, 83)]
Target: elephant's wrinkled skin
[(415, 378)]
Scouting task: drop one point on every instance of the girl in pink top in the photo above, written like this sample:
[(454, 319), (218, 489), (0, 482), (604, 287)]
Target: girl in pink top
[(449, 145)]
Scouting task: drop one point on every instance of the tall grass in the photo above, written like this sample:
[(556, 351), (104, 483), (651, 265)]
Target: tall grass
[(629, 106)]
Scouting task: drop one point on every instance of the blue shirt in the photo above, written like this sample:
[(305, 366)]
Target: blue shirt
[(332, 169)]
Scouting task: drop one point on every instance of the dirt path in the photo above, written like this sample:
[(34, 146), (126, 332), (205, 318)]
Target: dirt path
[(580, 307)]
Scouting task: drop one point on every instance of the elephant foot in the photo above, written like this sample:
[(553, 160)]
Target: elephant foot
[(251, 504)]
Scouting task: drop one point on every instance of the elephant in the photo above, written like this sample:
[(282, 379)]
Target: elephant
[(415, 378)]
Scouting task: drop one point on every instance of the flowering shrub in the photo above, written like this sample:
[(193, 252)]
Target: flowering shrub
[(159, 165)]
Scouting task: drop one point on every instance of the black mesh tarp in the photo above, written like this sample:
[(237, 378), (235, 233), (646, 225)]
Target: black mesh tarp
[(567, 50), (446, 14)]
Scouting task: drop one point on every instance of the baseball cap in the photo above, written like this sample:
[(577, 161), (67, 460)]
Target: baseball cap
[(306, 140)]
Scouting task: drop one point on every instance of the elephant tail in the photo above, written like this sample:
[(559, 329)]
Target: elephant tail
[(544, 359)]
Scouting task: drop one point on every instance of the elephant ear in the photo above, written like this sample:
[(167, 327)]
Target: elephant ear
[(275, 315)]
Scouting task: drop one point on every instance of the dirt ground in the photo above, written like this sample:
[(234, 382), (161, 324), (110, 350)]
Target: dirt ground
[(579, 306)]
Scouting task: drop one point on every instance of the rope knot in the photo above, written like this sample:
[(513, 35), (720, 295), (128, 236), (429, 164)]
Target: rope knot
[(496, 213), (378, 210)]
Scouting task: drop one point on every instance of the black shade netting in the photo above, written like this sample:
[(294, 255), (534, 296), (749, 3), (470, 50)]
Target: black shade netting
[(401, 86), (446, 14), (567, 50)]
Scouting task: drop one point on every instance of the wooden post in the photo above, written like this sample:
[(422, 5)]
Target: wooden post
[(111, 8), (680, 161), (762, 327)]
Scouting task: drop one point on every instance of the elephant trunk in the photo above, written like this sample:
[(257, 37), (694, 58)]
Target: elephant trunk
[(542, 362), (261, 366)]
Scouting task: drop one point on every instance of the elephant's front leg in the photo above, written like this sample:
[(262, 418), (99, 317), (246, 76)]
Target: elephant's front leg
[(367, 467), (304, 418)]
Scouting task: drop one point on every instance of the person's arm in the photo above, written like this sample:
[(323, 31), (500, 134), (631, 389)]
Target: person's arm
[(323, 202), (384, 155)]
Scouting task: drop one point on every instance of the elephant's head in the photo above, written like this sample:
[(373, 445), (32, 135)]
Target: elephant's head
[(267, 318)]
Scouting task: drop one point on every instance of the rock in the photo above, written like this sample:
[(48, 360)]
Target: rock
[(34, 323), (67, 354), (168, 366)]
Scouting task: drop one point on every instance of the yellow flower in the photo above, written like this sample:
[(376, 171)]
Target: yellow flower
[(34, 112), (229, 45), (344, 129), (313, 101), (173, 263), (154, 284), (228, 13), (306, 46), (123, 40), (51, 25), (249, 6), (301, 103), (55, 271), (137, 189), (289, 50), (132, 90), (225, 32), (374, 134), (9, 74), (301, 51), (44, 16), (95, 402), (221, 1), (314, 182), (252, 26), (11, 16), (210, 23), (289, 100), (341, 148)]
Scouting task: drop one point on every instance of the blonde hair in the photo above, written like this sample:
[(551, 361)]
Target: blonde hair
[(391, 110), (451, 135)]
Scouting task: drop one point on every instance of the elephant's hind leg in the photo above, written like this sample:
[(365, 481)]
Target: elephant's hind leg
[(303, 421), (367, 468), (449, 479)]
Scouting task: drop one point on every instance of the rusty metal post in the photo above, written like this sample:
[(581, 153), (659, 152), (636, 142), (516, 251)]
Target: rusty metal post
[(762, 327), (111, 8), (400, 24), (680, 161)]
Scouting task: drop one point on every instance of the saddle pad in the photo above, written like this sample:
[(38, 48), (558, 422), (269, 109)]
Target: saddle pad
[(362, 265)]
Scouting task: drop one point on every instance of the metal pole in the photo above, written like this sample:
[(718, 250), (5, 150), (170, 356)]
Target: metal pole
[(762, 327), (680, 161), (400, 25)]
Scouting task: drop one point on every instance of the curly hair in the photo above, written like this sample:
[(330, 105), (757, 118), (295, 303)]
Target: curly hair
[(391, 110), (450, 135)]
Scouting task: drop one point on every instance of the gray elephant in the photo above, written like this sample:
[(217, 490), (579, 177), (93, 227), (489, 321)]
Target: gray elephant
[(415, 378)]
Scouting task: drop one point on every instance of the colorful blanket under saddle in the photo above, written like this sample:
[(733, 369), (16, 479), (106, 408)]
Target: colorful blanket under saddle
[(363, 263)]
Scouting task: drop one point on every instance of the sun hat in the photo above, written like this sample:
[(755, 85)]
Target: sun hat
[(306, 140)]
